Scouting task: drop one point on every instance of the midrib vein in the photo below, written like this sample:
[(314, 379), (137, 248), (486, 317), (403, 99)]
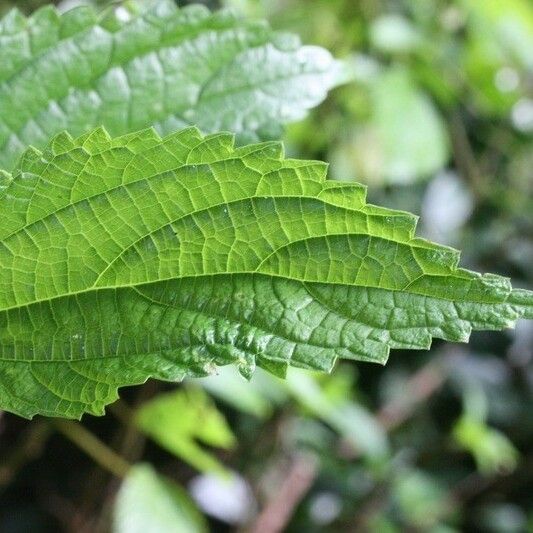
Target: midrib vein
[(246, 273)]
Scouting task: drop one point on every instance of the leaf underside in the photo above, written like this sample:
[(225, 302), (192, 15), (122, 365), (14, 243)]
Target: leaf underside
[(135, 257), (161, 66)]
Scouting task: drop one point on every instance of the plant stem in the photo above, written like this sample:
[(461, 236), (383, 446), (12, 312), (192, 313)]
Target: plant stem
[(419, 388), (464, 156), (279, 510), (28, 448), (93, 447)]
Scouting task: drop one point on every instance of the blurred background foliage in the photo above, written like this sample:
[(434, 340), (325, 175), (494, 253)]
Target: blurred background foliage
[(439, 122)]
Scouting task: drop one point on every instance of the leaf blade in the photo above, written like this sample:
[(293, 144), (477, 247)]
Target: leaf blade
[(137, 256), (163, 66)]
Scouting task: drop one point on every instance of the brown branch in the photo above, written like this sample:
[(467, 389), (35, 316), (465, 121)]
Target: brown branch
[(420, 387), (279, 510), (464, 156), (369, 509), (304, 469)]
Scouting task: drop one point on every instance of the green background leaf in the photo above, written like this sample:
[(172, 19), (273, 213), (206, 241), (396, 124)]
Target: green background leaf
[(148, 503), (388, 148), (176, 420), (160, 66)]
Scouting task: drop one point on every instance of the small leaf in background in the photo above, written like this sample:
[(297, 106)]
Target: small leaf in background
[(349, 419), (256, 397), (393, 34), (493, 452), (404, 139), (422, 501), (149, 503), (178, 419)]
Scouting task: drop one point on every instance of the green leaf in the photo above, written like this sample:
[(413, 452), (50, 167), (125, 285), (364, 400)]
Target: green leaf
[(387, 149), (163, 66), (132, 257), (492, 450), (421, 499), (256, 397), (175, 420), (394, 34), (350, 419), (149, 503)]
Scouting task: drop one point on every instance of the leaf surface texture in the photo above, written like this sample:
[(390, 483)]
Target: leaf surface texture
[(137, 256)]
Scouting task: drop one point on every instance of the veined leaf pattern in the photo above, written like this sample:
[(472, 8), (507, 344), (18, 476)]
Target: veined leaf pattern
[(140, 256)]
